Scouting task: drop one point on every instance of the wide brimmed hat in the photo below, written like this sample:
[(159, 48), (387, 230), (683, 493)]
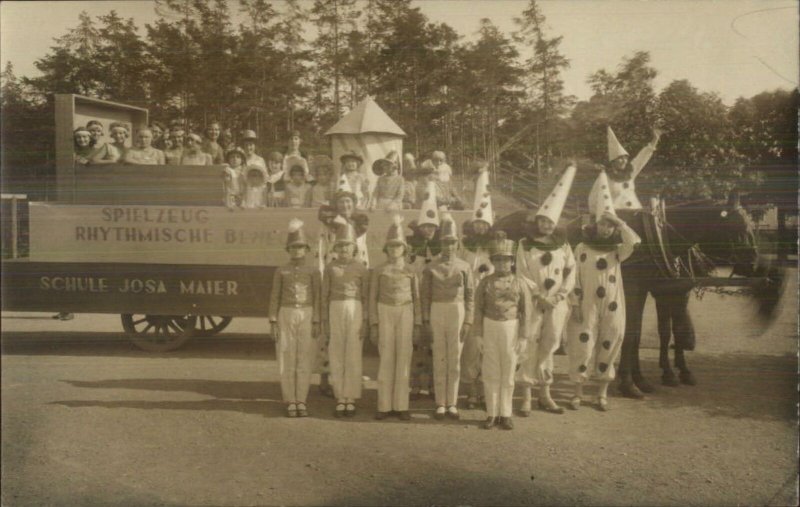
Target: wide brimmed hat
[(351, 155), (296, 234), (257, 170), (426, 167), (381, 166), (249, 135)]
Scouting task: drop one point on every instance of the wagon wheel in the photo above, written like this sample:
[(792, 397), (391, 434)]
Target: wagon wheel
[(158, 333), (210, 325)]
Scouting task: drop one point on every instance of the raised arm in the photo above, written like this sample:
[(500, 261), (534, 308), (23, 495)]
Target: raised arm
[(629, 241)]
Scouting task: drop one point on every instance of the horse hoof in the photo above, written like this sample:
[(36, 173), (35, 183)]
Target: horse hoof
[(687, 378), (669, 379), (644, 385), (629, 390)]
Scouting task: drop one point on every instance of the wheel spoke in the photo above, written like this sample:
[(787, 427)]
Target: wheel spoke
[(143, 319), (203, 322), (146, 329), (172, 325)]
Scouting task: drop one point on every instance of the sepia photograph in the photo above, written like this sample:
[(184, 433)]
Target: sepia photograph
[(399, 252)]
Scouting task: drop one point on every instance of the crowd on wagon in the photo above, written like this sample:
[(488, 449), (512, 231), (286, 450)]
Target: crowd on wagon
[(282, 178)]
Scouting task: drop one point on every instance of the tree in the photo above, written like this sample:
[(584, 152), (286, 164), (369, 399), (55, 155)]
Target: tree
[(335, 21)]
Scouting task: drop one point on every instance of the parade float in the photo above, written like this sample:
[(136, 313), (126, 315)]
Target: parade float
[(154, 243)]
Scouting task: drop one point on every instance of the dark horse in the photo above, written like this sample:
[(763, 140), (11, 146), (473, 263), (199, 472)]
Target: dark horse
[(664, 266)]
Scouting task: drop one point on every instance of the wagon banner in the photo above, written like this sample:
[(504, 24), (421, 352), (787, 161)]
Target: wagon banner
[(179, 234), (161, 289)]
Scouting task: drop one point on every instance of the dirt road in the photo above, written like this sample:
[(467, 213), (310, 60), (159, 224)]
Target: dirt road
[(98, 423)]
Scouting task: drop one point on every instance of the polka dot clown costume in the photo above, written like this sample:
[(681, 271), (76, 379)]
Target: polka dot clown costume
[(475, 252), (546, 263), (622, 186), (597, 326)]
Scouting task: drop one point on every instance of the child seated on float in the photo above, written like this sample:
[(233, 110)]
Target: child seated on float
[(322, 190), (297, 193), (233, 179), (389, 189)]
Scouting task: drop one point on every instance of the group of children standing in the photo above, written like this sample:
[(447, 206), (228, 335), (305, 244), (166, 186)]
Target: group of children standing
[(484, 309)]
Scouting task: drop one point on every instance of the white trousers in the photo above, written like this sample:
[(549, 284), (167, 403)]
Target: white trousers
[(499, 365), (395, 330), (345, 348), (446, 322), (295, 352), (547, 328)]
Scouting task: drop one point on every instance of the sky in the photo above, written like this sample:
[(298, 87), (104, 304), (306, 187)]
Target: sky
[(732, 47)]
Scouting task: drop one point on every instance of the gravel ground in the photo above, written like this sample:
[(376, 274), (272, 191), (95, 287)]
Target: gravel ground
[(90, 420)]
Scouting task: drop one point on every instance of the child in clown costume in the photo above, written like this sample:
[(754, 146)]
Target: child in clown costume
[(395, 318), (597, 326), (475, 252), (345, 288), (446, 291), (546, 263), (294, 313), (502, 306), (423, 248)]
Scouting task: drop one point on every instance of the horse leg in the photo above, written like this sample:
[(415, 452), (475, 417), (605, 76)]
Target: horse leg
[(635, 297), (636, 371), (684, 336), (686, 376), (664, 315)]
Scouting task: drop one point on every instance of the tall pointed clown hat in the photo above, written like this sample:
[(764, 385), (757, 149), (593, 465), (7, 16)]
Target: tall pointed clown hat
[(554, 204), (448, 229), (296, 234), (604, 204), (482, 208), (396, 235), (428, 212), (343, 188), (615, 149)]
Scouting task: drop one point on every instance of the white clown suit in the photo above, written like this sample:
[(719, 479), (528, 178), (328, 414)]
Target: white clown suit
[(594, 344)]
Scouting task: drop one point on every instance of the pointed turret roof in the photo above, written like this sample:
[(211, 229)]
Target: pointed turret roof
[(366, 117)]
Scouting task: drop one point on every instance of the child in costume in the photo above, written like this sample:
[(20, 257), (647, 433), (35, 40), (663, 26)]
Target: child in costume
[(294, 312), (254, 192), (276, 183), (388, 194), (423, 248), (502, 306), (345, 288), (597, 326), (297, 191), (351, 164), (447, 295), (475, 252), (546, 263), (321, 191), (395, 318), (233, 178)]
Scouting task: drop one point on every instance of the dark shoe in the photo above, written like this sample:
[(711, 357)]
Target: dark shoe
[(687, 378), (643, 385), (669, 379), (302, 411), (506, 423), (405, 415), (380, 416), (490, 423), (350, 410), (628, 389), (551, 409)]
